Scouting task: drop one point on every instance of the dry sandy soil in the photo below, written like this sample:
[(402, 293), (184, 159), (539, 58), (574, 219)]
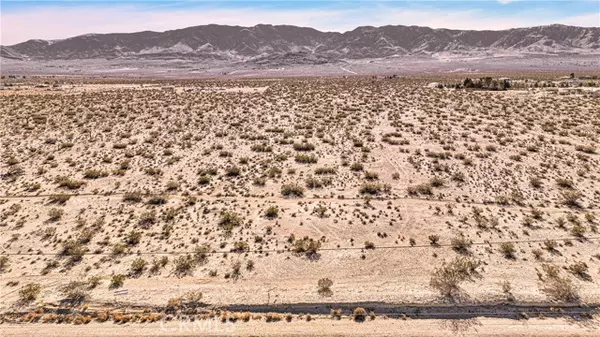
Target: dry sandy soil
[(129, 194)]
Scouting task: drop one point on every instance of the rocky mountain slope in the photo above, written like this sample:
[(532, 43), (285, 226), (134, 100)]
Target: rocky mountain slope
[(263, 43)]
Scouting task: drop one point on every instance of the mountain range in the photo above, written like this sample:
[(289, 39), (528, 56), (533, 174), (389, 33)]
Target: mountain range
[(264, 43)]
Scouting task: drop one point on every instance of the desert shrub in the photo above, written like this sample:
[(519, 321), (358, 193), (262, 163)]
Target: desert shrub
[(201, 253), (447, 278), (369, 245), (153, 171), (73, 250), (133, 238), (229, 220), (436, 182), (336, 314), (4, 263), (356, 167), (303, 147), (461, 244), (535, 182), (565, 183), (204, 180), (172, 186), (586, 148), (558, 288), (261, 148), (29, 292), (571, 197), (157, 200), (157, 264), (273, 317), (116, 281), (292, 190), (184, 265), (54, 214), (459, 177), (508, 250), (325, 170), (133, 197), (578, 230), (137, 267), (371, 175), (95, 174), (312, 182), (419, 189), (370, 188), (147, 219), (259, 181), (550, 245), (305, 159), (324, 287), (359, 314), (272, 212), (59, 199), (69, 183), (434, 239), (307, 246), (232, 171), (76, 291), (240, 247), (579, 268)]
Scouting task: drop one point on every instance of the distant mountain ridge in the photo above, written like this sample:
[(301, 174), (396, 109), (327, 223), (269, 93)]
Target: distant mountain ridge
[(300, 44)]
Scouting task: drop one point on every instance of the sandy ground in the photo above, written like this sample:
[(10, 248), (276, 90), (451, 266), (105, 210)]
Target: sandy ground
[(321, 327), (477, 176), (178, 68)]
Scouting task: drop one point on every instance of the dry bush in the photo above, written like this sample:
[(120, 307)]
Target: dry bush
[(359, 314), (307, 246), (324, 287), (292, 190), (447, 278), (184, 265), (116, 281), (29, 292), (229, 220)]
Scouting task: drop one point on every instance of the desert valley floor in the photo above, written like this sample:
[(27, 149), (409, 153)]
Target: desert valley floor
[(272, 199)]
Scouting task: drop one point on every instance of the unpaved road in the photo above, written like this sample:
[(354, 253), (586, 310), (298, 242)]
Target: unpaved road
[(319, 327)]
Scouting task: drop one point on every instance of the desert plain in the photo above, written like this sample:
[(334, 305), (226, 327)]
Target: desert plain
[(335, 204)]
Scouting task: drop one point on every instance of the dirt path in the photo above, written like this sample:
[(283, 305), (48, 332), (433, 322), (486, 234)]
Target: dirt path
[(319, 327)]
